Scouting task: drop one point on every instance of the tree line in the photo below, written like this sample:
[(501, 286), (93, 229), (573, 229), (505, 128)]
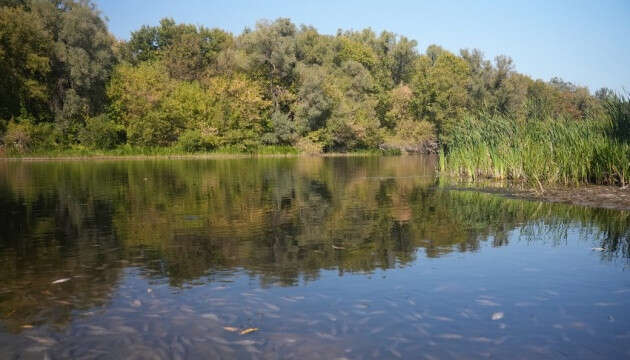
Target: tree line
[(67, 82)]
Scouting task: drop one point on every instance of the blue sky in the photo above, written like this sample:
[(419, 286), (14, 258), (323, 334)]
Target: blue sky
[(585, 42)]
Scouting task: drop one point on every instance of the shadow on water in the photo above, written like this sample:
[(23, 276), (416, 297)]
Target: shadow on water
[(75, 234)]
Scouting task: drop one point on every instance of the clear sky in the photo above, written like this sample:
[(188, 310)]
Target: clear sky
[(585, 42)]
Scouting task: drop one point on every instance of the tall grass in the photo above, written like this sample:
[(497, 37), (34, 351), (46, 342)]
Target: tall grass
[(542, 152)]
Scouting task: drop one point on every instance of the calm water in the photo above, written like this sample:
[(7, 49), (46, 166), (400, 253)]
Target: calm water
[(360, 257)]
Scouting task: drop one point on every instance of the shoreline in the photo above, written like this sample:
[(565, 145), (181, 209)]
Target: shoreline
[(586, 195), (183, 156)]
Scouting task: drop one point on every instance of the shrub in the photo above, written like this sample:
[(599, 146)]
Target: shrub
[(102, 133), (24, 136), (196, 141)]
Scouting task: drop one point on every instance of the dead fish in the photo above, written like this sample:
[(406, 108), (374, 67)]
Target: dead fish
[(525, 303), (217, 340), (125, 329), (395, 353), (598, 249), (43, 340), (497, 316), (36, 349), (376, 330), (210, 316), (442, 318), (60, 281), (485, 302), (605, 304), (325, 336), (248, 330), (271, 307), (481, 339), (245, 342)]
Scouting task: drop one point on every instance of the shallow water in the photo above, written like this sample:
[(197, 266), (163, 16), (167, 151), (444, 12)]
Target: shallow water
[(309, 258)]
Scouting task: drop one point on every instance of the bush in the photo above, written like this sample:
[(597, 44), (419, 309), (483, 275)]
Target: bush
[(102, 133), (24, 136), (195, 141)]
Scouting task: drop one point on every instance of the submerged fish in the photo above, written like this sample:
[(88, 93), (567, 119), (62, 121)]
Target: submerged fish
[(60, 281)]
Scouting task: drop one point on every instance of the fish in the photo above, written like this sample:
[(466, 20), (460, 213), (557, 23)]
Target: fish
[(485, 302), (210, 316), (248, 331), (43, 340), (244, 342), (61, 281)]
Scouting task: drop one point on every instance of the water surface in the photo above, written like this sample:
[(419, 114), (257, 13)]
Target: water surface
[(352, 257)]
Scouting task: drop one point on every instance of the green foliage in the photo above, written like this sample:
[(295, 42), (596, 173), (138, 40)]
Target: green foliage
[(102, 133), (440, 89), (618, 109), (189, 88), (539, 152), (193, 141), (25, 50), (24, 135)]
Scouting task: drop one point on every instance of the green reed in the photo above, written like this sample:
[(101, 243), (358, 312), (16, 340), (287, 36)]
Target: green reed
[(538, 152)]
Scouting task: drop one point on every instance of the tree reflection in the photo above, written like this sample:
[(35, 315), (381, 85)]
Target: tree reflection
[(279, 220)]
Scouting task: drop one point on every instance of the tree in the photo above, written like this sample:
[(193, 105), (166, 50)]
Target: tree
[(81, 60), (25, 50), (440, 88), (271, 50), (187, 50)]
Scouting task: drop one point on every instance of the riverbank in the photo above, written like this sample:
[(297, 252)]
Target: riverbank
[(593, 196), (133, 152)]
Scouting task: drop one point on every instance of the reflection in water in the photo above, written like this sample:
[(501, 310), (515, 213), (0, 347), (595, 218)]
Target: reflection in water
[(359, 254)]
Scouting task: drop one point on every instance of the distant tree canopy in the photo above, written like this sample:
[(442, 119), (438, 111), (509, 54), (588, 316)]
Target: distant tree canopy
[(66, 79)]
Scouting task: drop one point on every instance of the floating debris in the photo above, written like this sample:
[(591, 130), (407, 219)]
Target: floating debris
[(136, 303), (61, 281), (338, 247), (230, 328), (248, 331), (497, 316)]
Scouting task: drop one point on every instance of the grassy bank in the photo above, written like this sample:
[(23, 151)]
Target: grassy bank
[(140, 151), (542, 152)]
